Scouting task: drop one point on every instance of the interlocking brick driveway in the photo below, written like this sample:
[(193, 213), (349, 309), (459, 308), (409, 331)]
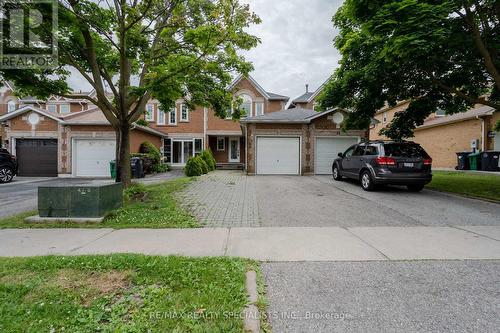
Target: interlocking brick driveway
[(223, 199), (231, 199)]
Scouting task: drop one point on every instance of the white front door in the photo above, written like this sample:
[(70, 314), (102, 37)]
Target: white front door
[(327, 150), (278, 156), (234, 150), (91, 157)]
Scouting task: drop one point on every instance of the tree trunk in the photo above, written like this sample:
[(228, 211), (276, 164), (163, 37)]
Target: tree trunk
[(123, 154)]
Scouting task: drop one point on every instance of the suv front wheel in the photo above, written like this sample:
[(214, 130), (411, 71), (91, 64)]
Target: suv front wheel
[(366, 181), (336, 173), (6, 174)]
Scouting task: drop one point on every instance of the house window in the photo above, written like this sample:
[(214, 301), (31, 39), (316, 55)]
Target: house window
[(52, 108), (198, 146), (384, 118), (161, 117), (11, 106), (64, 108), (259, 108), (167, 150), (184, 112), (220, 144), (440, 113), (149, 112), (172, 116), (246, 106), (229, 113)]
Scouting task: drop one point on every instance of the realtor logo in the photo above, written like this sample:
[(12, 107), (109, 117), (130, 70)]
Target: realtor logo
[(28, 34)]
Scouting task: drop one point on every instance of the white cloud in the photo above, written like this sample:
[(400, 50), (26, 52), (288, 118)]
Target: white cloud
[(297, 45)]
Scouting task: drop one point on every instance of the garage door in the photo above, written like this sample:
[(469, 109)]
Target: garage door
[(37, 157), (278, 156), (327, 149), (92, 157)]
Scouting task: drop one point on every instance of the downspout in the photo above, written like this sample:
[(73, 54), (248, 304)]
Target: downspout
[(483, 143), (205, 138)]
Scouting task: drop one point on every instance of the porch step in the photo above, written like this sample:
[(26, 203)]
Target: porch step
[(229, 166)]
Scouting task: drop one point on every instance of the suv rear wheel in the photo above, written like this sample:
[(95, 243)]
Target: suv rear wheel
[(366, 181), (336, 173), (6, 174)]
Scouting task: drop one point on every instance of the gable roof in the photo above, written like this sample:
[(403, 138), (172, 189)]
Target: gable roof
[(295, 115), (304, 98), (266, 94), (28, 108), (476, 112)]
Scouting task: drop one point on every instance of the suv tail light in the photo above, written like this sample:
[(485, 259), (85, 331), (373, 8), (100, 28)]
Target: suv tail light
[(428, 161), (382, 160)]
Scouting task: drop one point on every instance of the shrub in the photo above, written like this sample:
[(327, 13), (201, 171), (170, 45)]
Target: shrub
[(150, 149), (162, 167), (193, 167), (204, 166), (134, 191), (209, 159)]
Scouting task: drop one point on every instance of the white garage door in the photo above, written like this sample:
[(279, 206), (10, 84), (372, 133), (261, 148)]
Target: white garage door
[(327, 149), (92, 157), (278, 156)]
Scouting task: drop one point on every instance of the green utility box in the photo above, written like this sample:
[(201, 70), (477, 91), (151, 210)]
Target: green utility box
[(79, 200), (112, 168), (475, 161)]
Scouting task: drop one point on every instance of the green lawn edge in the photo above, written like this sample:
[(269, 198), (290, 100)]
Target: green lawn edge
[(160, 209), (123, 292), (471, 185)]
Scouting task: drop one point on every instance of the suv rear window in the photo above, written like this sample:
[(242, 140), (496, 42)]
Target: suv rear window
[(404, 150)]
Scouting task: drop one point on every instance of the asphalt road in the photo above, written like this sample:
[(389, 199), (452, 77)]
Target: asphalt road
[(21, 194), (410, 296)]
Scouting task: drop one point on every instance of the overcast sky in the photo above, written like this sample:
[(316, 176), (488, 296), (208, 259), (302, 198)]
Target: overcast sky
[(296, 45)]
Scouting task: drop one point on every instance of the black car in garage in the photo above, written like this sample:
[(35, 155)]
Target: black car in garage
[(8, 166), (385, 163)]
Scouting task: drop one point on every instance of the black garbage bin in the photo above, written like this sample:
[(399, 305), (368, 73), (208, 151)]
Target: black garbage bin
[(463, 160), (137, 167), (490, 160)]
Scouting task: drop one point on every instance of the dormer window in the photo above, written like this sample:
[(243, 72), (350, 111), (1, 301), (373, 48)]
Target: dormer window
[(64, 108), (149, 112), (52, 108), (11, 106)]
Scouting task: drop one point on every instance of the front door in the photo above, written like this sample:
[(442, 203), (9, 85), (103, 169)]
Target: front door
[(234, 150)]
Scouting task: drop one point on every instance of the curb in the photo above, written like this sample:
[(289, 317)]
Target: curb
[(251, 321)]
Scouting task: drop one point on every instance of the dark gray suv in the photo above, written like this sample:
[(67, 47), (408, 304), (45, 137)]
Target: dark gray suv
[(385, 163)]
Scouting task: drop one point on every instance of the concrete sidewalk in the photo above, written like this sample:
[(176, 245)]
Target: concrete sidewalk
[(267, 244)]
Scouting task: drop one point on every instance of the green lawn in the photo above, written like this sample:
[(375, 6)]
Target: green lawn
[(122, 293), (158, 210), (473, 185)]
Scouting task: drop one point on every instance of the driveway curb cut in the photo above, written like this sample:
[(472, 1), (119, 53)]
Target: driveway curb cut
[(251, 313)]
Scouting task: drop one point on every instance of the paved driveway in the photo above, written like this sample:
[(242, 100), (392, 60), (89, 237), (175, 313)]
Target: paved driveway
[(231, 199), (411, 296)]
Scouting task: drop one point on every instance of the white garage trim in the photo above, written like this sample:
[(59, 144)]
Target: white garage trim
[(320, 169), (74, 157), (299, 152)]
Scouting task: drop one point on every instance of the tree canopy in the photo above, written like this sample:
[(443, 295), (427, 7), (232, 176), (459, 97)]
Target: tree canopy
[(143, 49), (435, 54)]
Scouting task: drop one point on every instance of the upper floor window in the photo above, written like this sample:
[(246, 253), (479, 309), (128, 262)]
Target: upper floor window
[(184, 112), (64, 108), (384, 118), (52, 108), (11, 106), (149, 112), (161, 117), (172, 116), (246, 106), (259, 108)]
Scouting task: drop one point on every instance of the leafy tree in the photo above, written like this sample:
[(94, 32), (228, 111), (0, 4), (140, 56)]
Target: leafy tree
[(143, 49), (436, 54)]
